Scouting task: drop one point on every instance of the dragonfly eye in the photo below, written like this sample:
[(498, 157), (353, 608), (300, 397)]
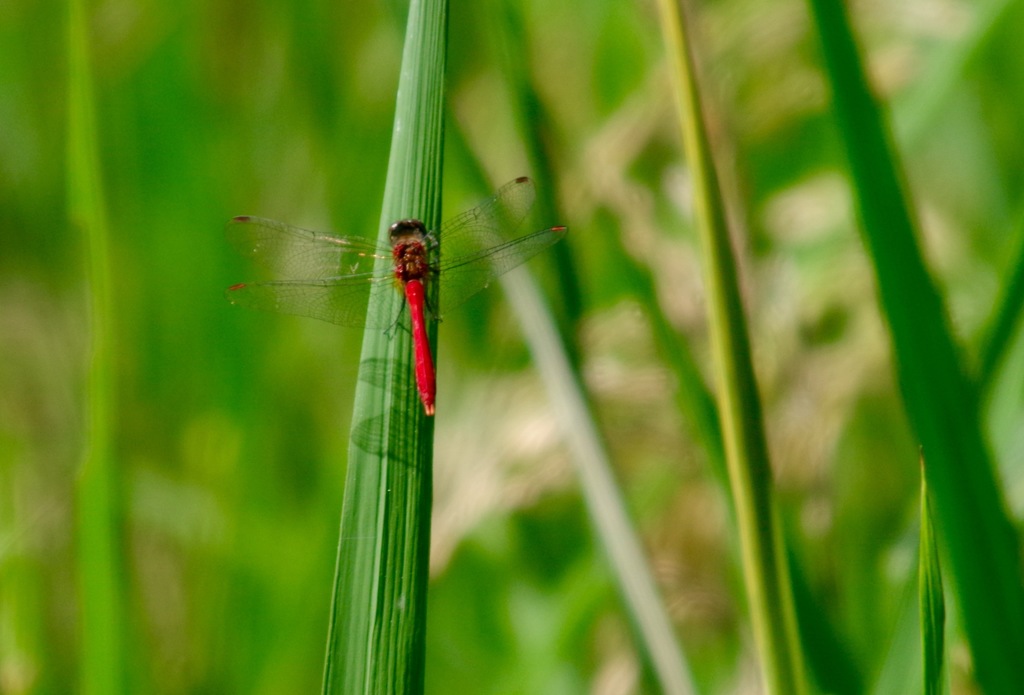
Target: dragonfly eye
[(406, 228)]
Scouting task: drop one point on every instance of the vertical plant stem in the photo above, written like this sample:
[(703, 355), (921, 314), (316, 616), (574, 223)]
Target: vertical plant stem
[(558, 364), (657, 641), (931, 601), (603, 496), (97, 513), (764, 564), (377, 625)]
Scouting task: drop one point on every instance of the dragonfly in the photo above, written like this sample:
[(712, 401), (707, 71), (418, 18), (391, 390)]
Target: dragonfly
[(334, 278)]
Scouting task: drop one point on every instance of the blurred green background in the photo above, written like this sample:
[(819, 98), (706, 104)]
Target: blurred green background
[(231, 426)]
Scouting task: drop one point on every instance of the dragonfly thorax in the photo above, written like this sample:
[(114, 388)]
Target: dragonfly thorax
[(409, 249)]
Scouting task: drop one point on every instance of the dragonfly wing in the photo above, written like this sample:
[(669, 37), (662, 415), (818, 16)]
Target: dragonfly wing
[(341, 301), (463, 277), (475, 245), (293, 252), (490, 223)]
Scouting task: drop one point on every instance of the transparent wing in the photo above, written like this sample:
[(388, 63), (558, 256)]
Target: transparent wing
[(293, 252), (337, 300), (476, 247), (464, 277), (492, 222), (332, 276)]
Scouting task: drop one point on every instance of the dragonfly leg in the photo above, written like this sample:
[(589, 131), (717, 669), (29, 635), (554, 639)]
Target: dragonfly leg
[(397, 323), (431, 309)]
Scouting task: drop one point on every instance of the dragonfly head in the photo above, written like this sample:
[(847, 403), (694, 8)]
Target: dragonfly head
[(407, 230)]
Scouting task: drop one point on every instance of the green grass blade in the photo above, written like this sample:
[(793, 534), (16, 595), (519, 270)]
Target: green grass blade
[(693, 398), (915, 113), (764, 563), (102, 658), (600, 490), (828, 658), (933, 606), (657, 640), (378, 619), (941, 403), (557, 361)]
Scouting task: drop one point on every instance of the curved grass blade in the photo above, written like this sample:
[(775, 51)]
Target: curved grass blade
[(941, 403)]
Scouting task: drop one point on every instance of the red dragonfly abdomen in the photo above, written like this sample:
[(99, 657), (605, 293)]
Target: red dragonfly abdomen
[(425, 381)]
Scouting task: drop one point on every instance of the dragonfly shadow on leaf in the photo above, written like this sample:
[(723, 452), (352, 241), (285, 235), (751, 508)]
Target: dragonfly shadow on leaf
[(378, 435)]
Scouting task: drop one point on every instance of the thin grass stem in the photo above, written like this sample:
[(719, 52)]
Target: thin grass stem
[(102, 645), (764, 563)]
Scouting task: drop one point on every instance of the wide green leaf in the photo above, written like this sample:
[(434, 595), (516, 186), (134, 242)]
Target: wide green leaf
[(940, 400), (378, 617)]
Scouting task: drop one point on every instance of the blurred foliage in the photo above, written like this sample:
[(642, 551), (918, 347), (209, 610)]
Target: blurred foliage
[(230, 430)]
